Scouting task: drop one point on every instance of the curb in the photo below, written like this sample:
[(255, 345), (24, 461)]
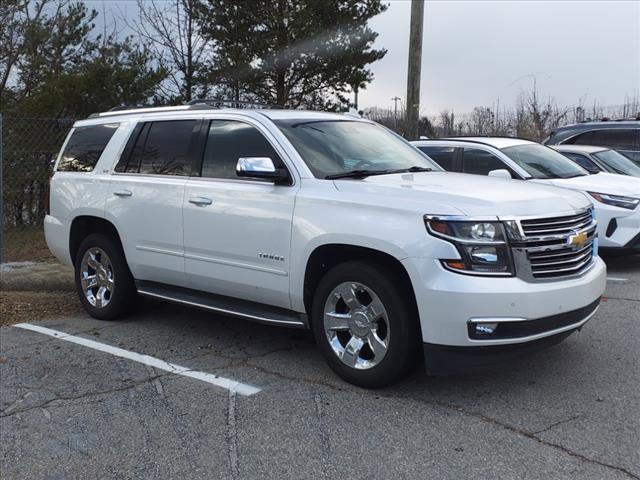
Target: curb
[(31, 276)]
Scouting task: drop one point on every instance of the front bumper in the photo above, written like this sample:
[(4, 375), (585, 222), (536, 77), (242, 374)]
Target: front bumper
[(448, 302), (446, 360), (618, 228)]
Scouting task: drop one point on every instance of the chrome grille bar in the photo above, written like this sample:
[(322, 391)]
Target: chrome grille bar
[(546, 251)]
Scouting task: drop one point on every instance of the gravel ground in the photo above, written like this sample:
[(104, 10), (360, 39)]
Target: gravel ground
[(21, 306)]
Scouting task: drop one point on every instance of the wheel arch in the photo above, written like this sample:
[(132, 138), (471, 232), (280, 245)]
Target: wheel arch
[(325, 257), (85, 225)]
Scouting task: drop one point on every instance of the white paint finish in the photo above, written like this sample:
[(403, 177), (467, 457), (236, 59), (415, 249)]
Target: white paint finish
[(216, 247), (150, 225), (222, 241), (229, 384), (447, 300)]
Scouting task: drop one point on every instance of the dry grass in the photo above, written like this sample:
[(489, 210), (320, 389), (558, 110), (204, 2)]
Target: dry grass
[(25, 244), (20, 306)]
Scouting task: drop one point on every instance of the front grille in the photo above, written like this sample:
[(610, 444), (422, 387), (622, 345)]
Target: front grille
[(561, 262), (556, 225), (555, 247)]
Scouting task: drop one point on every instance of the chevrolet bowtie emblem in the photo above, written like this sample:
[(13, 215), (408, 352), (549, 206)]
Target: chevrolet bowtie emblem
[(578, 240)]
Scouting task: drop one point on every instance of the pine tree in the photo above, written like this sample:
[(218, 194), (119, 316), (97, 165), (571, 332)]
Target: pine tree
[(296, 53)]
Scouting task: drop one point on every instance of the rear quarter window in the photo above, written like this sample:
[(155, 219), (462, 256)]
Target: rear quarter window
[(85, 146)]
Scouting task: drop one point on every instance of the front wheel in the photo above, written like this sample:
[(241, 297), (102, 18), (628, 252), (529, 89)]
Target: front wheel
[(365, 325)]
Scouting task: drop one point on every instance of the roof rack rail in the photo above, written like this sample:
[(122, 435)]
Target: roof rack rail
[(220, 103), (453, 137)]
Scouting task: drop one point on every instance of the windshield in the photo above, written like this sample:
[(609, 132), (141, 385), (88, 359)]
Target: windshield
[(618, 163), (332, 147), (542, 162)]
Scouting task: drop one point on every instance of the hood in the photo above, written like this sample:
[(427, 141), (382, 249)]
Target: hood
[(472, 195), (601, 183)]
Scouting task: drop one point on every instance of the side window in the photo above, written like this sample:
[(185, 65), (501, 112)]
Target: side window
[(582, 139), (586, 163), (443, 156), (159, 148), (481, 162), (229, 140), (85, 146), (614, 138), (166, 148)]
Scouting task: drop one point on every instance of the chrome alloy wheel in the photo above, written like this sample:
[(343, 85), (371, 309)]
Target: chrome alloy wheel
[(96, 277), (356, 325)]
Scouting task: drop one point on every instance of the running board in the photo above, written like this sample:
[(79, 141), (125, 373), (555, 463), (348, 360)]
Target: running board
[(256, 312)]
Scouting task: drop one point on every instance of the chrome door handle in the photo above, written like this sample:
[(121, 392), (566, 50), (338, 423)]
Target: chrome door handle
[(201, 201), (122, 193)]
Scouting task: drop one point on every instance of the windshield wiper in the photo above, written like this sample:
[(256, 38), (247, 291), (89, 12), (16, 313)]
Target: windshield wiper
[(356, 174), (368, 173)]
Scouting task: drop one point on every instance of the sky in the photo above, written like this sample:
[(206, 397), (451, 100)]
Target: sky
[(475, 52)]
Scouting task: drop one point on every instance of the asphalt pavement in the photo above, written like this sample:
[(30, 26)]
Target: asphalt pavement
[(149, 397)]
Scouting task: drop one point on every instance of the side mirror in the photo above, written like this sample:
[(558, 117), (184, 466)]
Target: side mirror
[(261, 168), (500, 173)]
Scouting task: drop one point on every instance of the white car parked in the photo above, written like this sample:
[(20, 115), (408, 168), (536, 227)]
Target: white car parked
[(322, 221), (615, 197)]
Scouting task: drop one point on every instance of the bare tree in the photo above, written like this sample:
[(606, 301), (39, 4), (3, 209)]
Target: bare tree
[(171, 33)]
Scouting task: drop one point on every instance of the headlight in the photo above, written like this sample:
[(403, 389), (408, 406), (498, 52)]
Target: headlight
[(616, 200), (482, 245)]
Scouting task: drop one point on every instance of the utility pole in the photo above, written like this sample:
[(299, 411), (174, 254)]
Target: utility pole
[(395, 112), (413, 73)]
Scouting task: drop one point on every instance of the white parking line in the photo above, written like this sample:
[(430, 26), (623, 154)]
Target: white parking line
[(616, 279), (232, 385)]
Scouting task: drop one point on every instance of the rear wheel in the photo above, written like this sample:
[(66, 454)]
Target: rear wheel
[(364, 324), (103, 280)]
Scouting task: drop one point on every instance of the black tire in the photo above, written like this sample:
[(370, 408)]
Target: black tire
[(122, 298), (403, 343)]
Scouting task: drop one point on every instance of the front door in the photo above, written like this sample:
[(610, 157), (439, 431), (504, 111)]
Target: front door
[(237, 231)]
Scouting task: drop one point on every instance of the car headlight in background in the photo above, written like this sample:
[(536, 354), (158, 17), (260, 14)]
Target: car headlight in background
[(482, 245), (616, 200)]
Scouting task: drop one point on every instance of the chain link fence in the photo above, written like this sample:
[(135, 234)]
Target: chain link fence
[(28, 149)]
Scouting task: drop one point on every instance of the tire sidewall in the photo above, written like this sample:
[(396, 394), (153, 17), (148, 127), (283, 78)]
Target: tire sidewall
[(403, 334), (123, 290)]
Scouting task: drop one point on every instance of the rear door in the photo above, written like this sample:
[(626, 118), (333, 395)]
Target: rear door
[(237, 231), (146, 195)]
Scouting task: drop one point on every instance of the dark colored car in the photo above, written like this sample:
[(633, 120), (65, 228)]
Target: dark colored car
[(621, 135), (599, 159)]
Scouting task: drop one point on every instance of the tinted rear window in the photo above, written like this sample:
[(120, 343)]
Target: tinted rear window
[(161, 148), (622, 138), (85, 147)]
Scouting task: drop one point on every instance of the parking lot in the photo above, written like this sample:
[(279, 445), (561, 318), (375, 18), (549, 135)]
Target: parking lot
[(72, 408)]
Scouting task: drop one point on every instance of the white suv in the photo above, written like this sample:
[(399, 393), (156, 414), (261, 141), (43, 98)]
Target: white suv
[(322, 221)]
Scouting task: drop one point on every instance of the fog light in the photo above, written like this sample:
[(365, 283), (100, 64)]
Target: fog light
[(486, 328)]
